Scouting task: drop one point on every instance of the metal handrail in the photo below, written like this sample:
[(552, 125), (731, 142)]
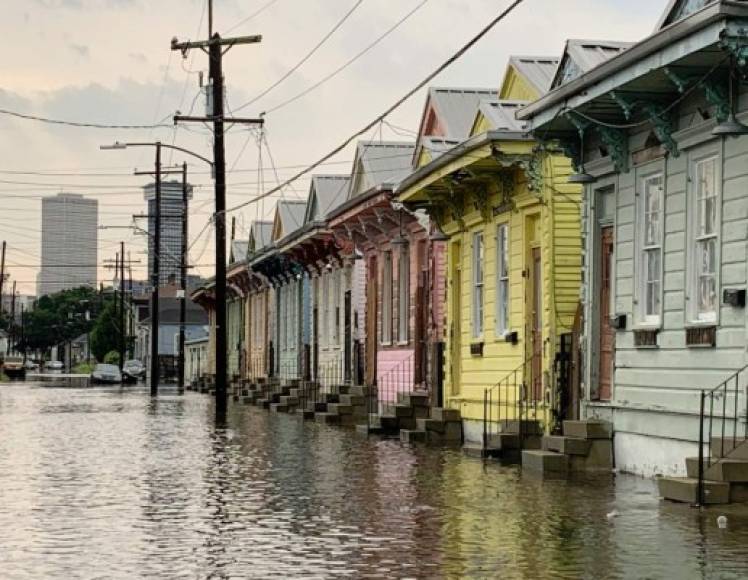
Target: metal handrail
[(510, 380), (729, 386), (387, 385)]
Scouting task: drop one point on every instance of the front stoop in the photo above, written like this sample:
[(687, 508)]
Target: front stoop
[(589, 429), (685, 489), (545, 462), (726, 470), (507, 444), (587, 445)]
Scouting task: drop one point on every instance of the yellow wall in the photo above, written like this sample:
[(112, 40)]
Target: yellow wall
[(516, 87), (554, 226)]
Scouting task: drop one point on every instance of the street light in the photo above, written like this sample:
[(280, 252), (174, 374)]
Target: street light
[(220, 326)]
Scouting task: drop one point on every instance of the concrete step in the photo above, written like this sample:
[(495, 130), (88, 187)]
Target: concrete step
[(477, 450), (361, 391), (328, 398), (566, 445), (504, 441), (318, 407), (413, 436), (589, 429), (685, 489), (442, 430), (327, 418), (289, 400), (339, 409), (403, 411), (544, 462), (728, 470), (529, 426), (734, 448), (442, 414), (306, 414), (389, 423), (413, 399), (352, 400), (264, 403), (365, 429), (278, 408)]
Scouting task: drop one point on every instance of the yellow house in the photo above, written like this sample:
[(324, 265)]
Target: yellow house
[(513, 264)]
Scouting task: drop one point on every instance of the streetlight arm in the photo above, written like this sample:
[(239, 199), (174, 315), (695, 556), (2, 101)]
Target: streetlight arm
[(118, 145)]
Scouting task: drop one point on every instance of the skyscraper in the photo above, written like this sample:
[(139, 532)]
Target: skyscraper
[(69, 243), (171, 228)]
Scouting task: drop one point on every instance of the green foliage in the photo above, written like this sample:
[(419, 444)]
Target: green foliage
[(83, 369), (111, 358), (105, 334), (61, 317)]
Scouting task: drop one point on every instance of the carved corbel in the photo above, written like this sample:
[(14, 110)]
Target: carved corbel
[(716, 95), (626, 106), (617, 143), (662, 125), (736, 45), (456, 207), (534, 171), (481, 197)]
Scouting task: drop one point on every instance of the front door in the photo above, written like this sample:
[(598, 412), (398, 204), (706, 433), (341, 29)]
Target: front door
[(455, 332), (348, 336), (536, 326), (371, 321), (606, 332)]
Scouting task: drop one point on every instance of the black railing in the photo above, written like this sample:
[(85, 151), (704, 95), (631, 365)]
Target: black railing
[(398, 379), (509, 400), (717, 413)]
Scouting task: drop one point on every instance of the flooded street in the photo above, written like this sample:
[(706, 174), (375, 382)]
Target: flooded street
[(105, 483)]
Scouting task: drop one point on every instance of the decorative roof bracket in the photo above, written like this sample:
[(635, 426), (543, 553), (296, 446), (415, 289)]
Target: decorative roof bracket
[(617, 143), (481, 196), (456, 207), (715, 94), (734, 41), (626, 106), (534, 171), (662, 125)]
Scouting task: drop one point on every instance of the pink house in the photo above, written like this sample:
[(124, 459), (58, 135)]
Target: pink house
[(404, 274)]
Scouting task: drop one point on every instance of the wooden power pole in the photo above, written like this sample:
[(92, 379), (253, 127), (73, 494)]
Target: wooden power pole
[(216, 47)]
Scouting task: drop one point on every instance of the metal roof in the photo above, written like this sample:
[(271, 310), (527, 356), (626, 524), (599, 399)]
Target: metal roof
[(326, 192), (438, 145), (537, 70), (239, 250), (379, 162), (262, 233), (581, 56), (677, 9), (500, 114), (291, 214)]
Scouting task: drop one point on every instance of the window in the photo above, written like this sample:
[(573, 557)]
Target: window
[(477, 284), (387, 299), (336, 303), (650, 249), (325, 289), (293, 311), (704, 241), (502, 279), (403, 291)]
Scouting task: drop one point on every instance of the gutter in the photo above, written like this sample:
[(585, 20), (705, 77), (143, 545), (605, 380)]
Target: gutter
[(653, 43), (367, 195)]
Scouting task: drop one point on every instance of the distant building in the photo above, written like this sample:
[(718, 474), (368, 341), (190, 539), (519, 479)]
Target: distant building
[(171, 228), (69, 243)]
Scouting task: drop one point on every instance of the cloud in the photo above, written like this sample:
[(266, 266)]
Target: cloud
[(138, 57), (80, 49), (87, 4)]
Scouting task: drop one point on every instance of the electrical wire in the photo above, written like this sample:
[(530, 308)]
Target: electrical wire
[(256, 13), (29, 117), (306, 57), (349, 62)]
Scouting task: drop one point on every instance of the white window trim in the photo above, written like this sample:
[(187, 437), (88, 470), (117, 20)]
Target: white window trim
[(387, 302), (503, 331), (697, 157), (477, 307), (403, 296), (641, 320)]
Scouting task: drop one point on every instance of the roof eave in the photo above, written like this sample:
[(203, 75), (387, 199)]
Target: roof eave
[(653, 43)]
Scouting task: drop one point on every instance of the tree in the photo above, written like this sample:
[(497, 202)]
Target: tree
[(105, 335)]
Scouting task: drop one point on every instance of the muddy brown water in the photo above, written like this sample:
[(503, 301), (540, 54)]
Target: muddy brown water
[(107, 483)]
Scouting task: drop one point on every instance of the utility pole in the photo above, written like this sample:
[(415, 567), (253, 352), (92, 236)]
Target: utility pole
[(215, 49), (12, 324), (122, 327), (183, 279), (23, 334), (155, 277), (2, 278)]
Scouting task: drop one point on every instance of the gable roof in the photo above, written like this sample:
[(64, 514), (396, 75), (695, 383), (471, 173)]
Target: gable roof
[(378, 163), (454, 111), (581, 56), (678, 9), (289, 216), (326, 192), (239, 249), (260, 235), (538, 71), (500, 115)]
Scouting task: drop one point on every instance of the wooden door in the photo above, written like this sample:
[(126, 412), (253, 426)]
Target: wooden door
[(536, 325), (371, 321), (455, 332), (606, 332), (348, 335), (420, 335)]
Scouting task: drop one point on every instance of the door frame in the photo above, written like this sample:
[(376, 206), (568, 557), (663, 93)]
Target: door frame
[(455, 306), (600, 322), (535, 321)]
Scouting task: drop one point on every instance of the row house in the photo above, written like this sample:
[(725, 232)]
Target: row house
[(657, 138), (510, 222), (260, 299)]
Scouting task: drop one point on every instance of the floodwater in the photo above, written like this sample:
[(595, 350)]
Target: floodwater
[(107, 483)]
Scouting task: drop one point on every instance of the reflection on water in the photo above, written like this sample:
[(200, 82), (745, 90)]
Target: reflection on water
[(111, 484)]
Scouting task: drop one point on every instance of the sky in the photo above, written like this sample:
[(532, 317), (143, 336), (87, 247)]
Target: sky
[(109, 62)]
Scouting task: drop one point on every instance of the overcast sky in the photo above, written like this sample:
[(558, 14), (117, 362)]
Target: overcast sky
[(108, 61)]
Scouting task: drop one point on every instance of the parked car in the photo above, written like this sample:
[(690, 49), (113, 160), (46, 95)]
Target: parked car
[(54, 365), (30, 365), (106, 374), (13, 367), (133, 370)]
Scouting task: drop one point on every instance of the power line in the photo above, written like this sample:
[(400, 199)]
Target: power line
[(29, 117), (257, 12), (306, 57), (350, 61)]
